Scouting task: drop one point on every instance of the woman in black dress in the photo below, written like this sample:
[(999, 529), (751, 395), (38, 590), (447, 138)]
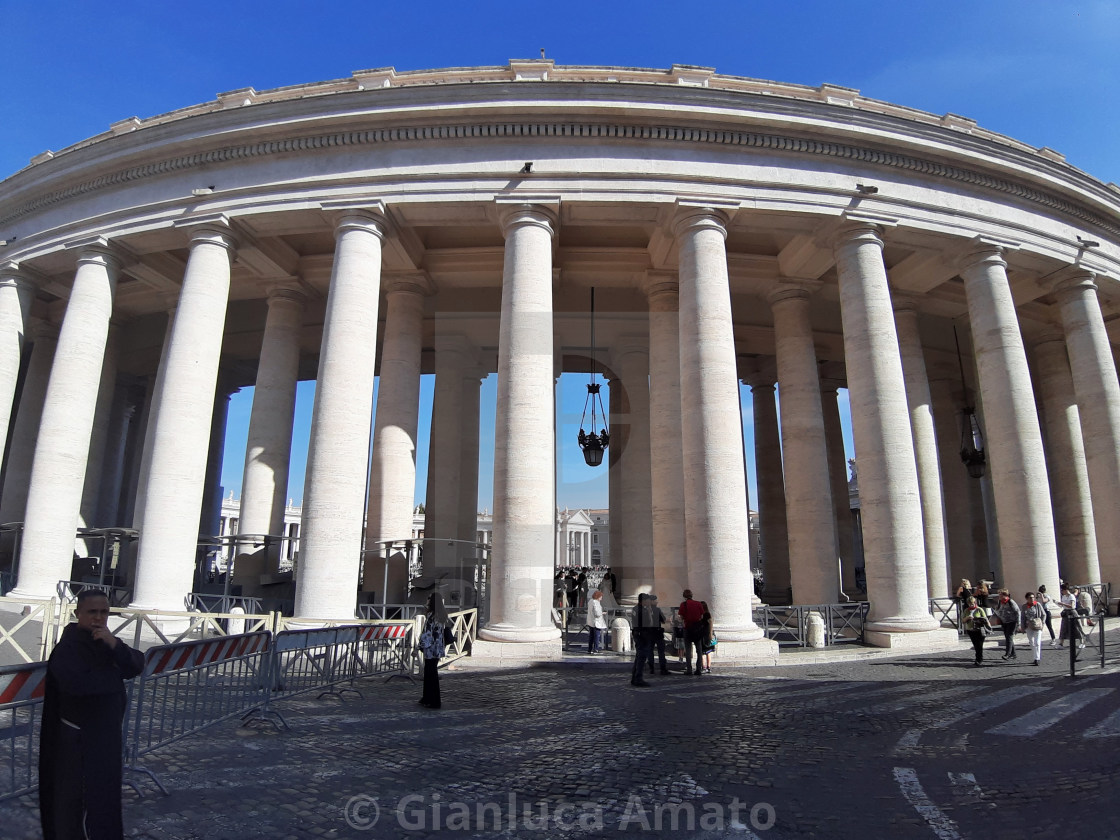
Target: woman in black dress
[(437, 627)]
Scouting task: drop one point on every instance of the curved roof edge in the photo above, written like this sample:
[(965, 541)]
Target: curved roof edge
[(545, 70)]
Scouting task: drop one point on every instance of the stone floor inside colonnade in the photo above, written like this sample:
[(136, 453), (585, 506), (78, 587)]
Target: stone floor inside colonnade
[(860, 746)]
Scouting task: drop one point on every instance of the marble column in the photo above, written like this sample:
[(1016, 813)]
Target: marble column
[(1098, 403), (810, 516), (153, 399), (338, 453), (771, 493), (717, 524), (525, 435), (670, 571), (1065, 461), (632, 363), (616, 409), (890, 504), (268, 448), (441, 516), (392, 477), (95, 459), (838, 484), (16, 294), (182, 420), (25, 429), (1014, 441), (964, 554), (924, 435), (467, 526), (54, 497), (121, 427)]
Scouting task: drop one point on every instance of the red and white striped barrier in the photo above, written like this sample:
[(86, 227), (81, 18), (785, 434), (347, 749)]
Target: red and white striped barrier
[(20, 683)]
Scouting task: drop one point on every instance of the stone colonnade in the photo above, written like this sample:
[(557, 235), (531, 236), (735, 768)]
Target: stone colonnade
[(684, 518)]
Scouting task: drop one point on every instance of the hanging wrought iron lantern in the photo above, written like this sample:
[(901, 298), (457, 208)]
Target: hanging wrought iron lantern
[(972, 439), (593, 444)]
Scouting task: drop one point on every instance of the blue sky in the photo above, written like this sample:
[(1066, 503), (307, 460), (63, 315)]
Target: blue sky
[(1042, 72)]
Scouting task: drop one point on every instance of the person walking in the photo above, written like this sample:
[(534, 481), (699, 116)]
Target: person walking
[(1007, 611), (977, 627), (1046, 601), (596, 622), (80, 744), (1033, 623), (692, 614), (658, 637), (433, 642), (1069, 604)]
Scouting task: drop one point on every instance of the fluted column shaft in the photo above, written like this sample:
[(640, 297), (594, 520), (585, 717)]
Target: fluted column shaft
[(337, 458), (61, 450), (924, 435), (717, 525), (771, 494), (810, 516), (183, 419), (963, 552), (1065, 461), (1098, 403), (525, 436), (16, 294), (890, 504), (1012, 434), (637, 576), (670, 573)]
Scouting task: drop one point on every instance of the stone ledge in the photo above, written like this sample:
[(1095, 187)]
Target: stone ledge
[(924, 641), (755, 652), (513, 654)]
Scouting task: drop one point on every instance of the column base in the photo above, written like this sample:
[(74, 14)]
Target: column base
[(496, 654), (754, 652), (510, 633), (922, 641)]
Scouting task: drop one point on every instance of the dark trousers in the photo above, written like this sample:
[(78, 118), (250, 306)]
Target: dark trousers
[(643, 651), (659, 645), (1049, 624), (431, 683), (694, 640), (1008, 628), (977, 637), (594, 639)]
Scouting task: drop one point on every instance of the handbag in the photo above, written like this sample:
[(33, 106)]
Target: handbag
[(1036, 624)]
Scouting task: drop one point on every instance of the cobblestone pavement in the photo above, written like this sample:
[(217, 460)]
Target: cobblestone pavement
[(922, 747)]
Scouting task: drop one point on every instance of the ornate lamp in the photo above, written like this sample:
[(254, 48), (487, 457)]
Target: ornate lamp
[(591, 443), (972, 439)]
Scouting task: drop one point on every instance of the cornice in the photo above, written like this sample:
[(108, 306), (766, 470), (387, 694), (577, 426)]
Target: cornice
[(587, 130)]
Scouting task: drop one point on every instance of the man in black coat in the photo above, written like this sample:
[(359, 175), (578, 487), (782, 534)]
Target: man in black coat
[(80, 749)]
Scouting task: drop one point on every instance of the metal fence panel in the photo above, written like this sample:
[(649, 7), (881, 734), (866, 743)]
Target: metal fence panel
[(21, 698)]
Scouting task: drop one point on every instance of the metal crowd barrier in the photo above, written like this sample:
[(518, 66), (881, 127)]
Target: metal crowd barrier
[(1101, 592), (44, 612), (202, 602), (843, 623), (389, 612), (21, 697), (118, 596), (189, 686), (1086, 641), (947, 610)]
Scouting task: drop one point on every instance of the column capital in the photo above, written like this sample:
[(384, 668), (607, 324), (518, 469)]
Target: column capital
[(414, 282), (857, 230), (985, 251), (904, 301), (831, 386), (455, 344), (628, 345), (538, 210), (210, 229), (759, 381), (661, 289), (790, 288), (1046, 333), (285, 293), (699, 214), (1071, 281), (99, 250), (11, 274), (370, 216)]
